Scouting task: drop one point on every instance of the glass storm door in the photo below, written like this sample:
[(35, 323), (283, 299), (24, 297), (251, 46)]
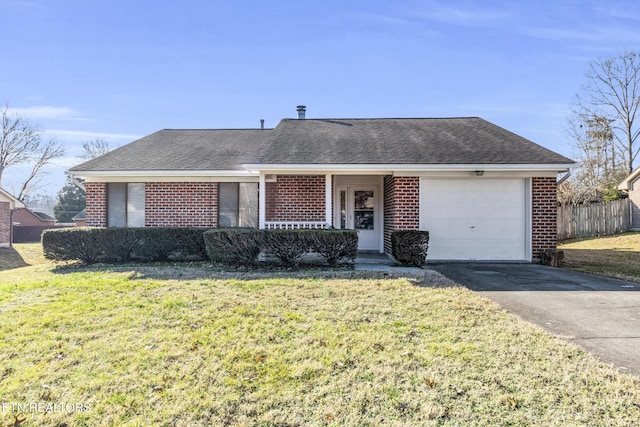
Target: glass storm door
[(357, 209)]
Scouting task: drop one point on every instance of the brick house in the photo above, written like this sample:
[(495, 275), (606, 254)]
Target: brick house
[(27, 217), (481, 191), (7, 204), (631, 185)]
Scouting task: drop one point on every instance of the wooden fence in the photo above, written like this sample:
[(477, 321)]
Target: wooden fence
[(596, 219)]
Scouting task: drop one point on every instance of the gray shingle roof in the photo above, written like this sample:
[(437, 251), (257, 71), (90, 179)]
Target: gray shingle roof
[(469, 140), (176, 149)]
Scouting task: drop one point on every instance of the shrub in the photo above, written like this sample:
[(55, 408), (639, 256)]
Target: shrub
[(233, 245), (286, 245), (71, 244), (334, 246), (409, 247), (90, 245)]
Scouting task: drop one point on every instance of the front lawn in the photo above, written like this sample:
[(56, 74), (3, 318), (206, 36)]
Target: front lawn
[(143, 346), (614, 256)]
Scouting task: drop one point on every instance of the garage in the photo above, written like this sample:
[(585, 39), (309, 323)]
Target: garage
[(475, 219)]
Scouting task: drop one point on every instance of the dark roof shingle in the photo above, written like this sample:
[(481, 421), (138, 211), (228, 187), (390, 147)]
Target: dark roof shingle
[(468, 140)]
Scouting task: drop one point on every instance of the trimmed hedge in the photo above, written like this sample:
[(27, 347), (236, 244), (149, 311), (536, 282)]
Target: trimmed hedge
[(242, 246), (334, 246), (234, 246), (409, 247), (239, 246), (91, 245)]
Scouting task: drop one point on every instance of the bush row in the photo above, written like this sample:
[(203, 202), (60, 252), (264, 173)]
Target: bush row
[(409, 247), (242, 246), (239, 246), (90, 245)]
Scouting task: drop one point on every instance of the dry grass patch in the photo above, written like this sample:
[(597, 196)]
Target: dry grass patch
[(615, 256), (141, 351)]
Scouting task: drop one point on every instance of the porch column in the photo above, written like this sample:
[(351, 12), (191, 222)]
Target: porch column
[(262, 201), (328, 196)]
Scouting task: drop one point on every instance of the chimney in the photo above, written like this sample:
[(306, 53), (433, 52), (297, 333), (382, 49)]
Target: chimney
[(261, 123), (302, 109)]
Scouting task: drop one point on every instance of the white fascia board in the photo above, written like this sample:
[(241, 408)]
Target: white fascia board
[(388, 169), (165, 176)]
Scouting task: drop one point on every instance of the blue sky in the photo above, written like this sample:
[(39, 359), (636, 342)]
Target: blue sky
[(120, 70)]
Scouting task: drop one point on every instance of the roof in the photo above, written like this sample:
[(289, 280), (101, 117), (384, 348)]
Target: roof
[(633, 176), (408, 141), (14, 202), (80, 216), (43, 216), (192, 149)]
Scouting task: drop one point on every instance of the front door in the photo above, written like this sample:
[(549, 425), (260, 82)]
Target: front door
[(358, 209)]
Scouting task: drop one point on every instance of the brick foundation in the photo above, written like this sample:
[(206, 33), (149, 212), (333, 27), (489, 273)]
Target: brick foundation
[(401, 206), (296, 198), (544, 212)]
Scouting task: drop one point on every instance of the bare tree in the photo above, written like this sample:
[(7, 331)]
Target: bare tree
[(21, 143), (601, 165), (613, 92), (94, 148)]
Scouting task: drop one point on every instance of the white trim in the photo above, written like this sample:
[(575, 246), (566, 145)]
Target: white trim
[(328, 194), (14, 202), (262, 202), (528, 189), (139, 178), (388, 167), (166, 173)]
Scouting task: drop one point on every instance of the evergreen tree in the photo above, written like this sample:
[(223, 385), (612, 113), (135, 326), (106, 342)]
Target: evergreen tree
[(71, 200)]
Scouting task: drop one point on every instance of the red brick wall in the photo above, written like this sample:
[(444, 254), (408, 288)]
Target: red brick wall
[(296, 198), (96, 204), (26, 218), (5, 223), (401, 206), (544, 206), (181, 204)]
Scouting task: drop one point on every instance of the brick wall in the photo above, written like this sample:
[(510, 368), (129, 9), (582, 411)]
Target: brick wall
[(5, 224), (296, 198), (544, 206), (96, 193), (401, 206), (181, 204), (634, 197)]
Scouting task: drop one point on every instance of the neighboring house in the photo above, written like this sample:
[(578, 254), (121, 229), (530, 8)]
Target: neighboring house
[(26, 217), (81, 218), (7, 204), (481, 191), (631, 185)]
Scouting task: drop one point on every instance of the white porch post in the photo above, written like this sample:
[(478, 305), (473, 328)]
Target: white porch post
[(262, 201), (328, 196)]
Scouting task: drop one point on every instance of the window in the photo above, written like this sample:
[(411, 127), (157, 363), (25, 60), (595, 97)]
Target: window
[(238, 204), (125, 204)]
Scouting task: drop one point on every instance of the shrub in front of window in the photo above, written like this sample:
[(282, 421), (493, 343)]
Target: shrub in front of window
[(334, 246), (409, 247), (236, 246), (73, 244), (90, 245)]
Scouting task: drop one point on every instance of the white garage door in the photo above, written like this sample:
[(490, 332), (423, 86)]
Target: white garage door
[(474, 219)]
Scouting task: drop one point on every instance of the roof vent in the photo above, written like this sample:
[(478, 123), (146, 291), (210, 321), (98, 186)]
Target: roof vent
[(261, 123), (302, 109)]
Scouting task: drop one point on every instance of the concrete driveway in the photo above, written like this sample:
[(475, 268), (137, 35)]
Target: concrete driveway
[(600, 314)]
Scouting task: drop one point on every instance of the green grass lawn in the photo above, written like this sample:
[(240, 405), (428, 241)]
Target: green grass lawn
[(146, 346), (615, 256)]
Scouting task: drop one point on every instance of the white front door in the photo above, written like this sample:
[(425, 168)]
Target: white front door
[(358, 208)]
